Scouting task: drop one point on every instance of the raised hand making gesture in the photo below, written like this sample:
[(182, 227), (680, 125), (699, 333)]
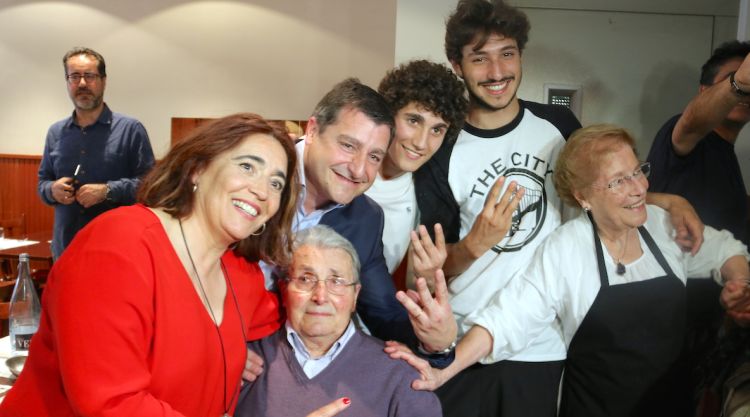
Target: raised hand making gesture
[(432, 318), (489, 228), (426, 257)]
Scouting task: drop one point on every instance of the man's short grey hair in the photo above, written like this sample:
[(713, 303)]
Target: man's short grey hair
[(322, 236)]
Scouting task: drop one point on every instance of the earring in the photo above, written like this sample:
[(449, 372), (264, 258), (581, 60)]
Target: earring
[(587, 209), (257, 233), (195, 187)]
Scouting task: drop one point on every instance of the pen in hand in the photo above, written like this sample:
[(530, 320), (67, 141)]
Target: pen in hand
[(75, 179)]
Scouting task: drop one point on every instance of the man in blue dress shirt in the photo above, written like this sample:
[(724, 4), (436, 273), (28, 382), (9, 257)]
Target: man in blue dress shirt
[(94, 159)]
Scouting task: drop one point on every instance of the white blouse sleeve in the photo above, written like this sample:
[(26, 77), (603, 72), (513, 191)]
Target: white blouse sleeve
[(530, 302), (718, 247)]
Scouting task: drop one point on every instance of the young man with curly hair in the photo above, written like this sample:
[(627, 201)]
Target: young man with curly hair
[(429, 106)]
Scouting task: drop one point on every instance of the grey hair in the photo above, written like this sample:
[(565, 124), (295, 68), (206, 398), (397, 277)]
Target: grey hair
[(322, 236)]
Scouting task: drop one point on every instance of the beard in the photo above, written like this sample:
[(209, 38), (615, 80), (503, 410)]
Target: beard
[(90, 101), (478, 101)]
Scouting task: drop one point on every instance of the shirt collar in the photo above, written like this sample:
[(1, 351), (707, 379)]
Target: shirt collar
[(105, 117), (299, 347)]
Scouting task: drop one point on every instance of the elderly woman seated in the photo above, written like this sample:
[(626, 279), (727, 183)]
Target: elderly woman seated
[(615, 280), (319, 355)]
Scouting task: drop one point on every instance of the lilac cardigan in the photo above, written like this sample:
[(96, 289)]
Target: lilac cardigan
[(377, 385)]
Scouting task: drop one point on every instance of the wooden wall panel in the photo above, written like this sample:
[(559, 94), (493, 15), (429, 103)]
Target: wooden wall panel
[(181, 126), (18, 179)]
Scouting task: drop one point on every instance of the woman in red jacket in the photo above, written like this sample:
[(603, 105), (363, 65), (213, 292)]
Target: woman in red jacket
[(148, 310)]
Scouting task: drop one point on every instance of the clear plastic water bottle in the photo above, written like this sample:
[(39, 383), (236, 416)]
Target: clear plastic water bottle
[(25, 308)]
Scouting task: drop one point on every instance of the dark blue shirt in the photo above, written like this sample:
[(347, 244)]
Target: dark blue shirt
[(115, 150), (709, 177)]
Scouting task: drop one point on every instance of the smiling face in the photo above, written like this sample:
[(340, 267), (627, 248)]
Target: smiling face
[(85, 95), (619, 209), (419, 134), (342, 161), (492, 73), (240, 189), (320, 317)]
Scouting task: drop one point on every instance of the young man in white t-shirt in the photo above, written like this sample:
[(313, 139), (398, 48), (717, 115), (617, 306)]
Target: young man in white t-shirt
[(430, 107)]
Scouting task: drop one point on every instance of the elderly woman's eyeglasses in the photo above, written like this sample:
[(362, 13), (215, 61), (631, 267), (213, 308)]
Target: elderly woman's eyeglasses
[(307, 283), (89, 77), (643, 170)]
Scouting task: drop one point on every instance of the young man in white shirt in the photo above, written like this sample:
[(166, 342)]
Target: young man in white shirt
[(429, 105)]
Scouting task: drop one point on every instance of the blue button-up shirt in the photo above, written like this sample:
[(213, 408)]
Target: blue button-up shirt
[(114, 150)]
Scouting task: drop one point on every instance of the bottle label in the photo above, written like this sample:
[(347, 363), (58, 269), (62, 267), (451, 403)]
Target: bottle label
[(20, 337), (22, 341)]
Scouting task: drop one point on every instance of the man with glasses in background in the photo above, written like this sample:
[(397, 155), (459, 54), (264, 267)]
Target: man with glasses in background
[(319, 356), (94, 159)]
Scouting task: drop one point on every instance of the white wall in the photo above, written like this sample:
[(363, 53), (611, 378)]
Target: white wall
[(673, 7), (634, 68), (168, 58)]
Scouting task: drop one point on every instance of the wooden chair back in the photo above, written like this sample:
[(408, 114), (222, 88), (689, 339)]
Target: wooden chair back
[(14, 226), (4, 313)]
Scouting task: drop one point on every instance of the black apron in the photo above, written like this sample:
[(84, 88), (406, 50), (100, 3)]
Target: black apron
[(625, 345)]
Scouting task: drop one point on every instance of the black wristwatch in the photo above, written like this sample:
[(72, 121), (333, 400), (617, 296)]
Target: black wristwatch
[(445, 351), (737, 90), (438, 360)]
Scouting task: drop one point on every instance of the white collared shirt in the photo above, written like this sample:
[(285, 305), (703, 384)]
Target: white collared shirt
[(397, 198), (304, 220), (313, 366)]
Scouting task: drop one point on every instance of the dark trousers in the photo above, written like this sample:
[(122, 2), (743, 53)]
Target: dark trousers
[(506, 388), (703, 321)]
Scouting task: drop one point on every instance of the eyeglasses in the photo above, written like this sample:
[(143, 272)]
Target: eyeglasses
[(307, 283), (643, 170), (75, 78)]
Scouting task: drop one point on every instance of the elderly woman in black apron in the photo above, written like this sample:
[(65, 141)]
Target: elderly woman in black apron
[(615, 280)]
